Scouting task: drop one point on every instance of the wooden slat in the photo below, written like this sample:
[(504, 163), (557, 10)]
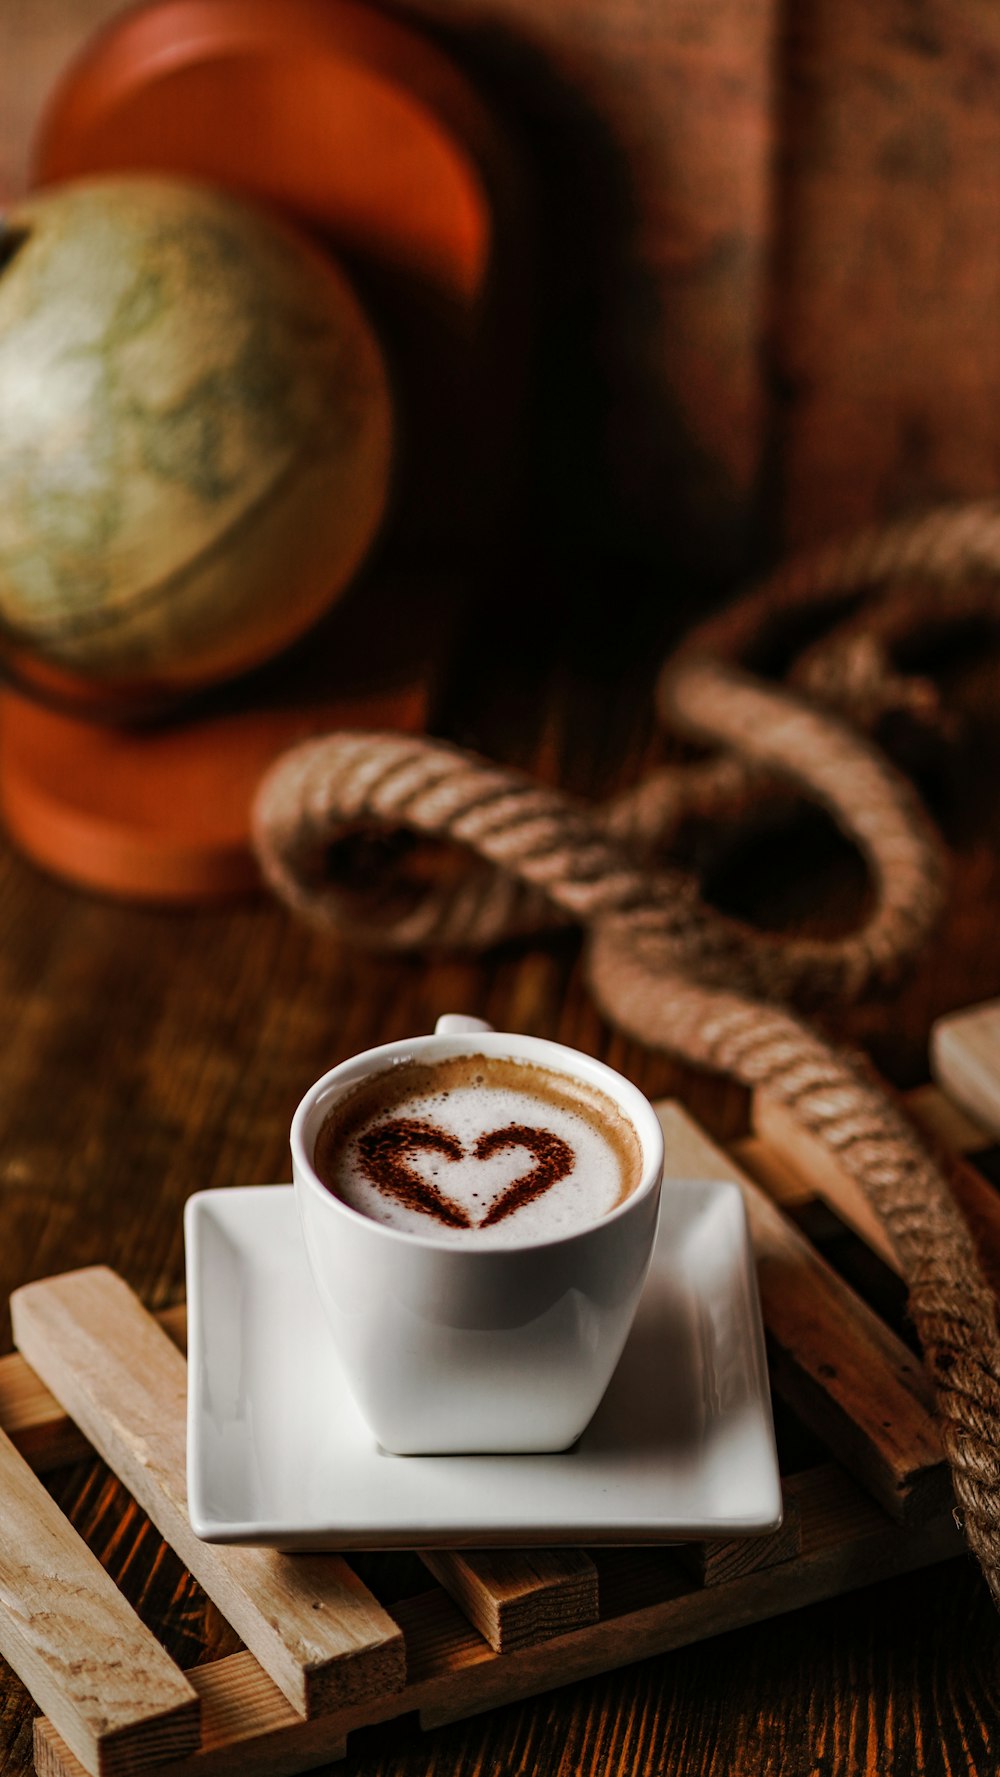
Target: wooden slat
[(34, 1421), (518, 1598), (726, 1558), (311, 1623), (783, 1184), (845, 1374), (117, 1697), (818, 1168), (944, 1122), (512, 1599), (965, 1061), (248, 1730), (811, 1160), (647, 1603), (847, 1541), (980, 1204), (959, 1143)]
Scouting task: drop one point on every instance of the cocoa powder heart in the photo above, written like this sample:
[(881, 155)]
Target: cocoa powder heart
[(553, 1160), (384, 1153), (387, 1152)]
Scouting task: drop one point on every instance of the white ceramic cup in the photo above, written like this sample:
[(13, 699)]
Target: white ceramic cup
[(453, 1348)]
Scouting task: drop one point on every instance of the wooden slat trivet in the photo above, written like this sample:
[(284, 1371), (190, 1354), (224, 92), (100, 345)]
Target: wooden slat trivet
[(710, 1563), (835, 1536), (313, 1625), (518, 1600), (511, 1599), (847, 1541), (844, 1372), (118, 1700)]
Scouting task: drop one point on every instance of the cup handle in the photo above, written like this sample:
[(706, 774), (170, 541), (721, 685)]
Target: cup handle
[(459, 1024)]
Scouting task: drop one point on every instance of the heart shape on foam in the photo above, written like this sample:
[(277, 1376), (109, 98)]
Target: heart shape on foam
[(387, 1152)]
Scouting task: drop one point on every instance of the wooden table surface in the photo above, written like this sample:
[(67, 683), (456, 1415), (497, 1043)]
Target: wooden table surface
[(149, 1053)]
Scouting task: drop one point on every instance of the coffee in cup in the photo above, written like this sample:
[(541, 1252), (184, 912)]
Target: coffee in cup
[(479, 1150), (473, 1308)]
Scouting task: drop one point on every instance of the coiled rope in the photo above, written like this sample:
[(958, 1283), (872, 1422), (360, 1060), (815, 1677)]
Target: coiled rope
[(342, 826)]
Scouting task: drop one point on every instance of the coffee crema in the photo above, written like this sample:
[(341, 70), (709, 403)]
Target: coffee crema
[(478, 1149)]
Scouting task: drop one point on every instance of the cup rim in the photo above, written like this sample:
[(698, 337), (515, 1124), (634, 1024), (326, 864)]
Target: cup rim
[(576, 1062)]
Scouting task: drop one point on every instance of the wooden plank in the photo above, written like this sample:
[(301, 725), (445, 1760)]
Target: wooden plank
[(783, 1184), (727, 1558), (248, 1730), (980, 1204), (813, 1161), (117, 1697), (960, 1146), (34, 1421), (311, 1623), (846, 1375), (847, 1542), (512, 1599), (944, 1122), (965, 1061), (818, 1167), (885, 193), (518, 1598)]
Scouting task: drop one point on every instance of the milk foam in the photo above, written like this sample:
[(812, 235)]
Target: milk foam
[(601, 1158)]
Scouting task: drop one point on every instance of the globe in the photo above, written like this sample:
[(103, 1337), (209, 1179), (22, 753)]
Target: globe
[(195, 437)]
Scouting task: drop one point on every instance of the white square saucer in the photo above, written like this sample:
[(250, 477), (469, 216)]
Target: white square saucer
[(681, 1447)]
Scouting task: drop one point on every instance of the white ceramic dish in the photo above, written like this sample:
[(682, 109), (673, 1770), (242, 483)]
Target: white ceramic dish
[(682, 1445)]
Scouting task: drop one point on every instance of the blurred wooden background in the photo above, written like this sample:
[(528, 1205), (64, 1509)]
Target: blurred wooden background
[(770, 253)]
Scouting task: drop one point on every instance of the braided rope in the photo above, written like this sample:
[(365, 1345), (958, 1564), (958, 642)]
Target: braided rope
[(471, 852), (942, 548), (333, 791), (951, 1305)]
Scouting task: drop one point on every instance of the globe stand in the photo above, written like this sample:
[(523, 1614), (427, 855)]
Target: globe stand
[(161, 810), (358, 129), (158, 814)]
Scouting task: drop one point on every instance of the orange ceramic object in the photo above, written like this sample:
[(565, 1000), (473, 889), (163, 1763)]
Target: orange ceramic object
[(161, 812), (357, 128), (157, 815), (366, 134), (335, 113)]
